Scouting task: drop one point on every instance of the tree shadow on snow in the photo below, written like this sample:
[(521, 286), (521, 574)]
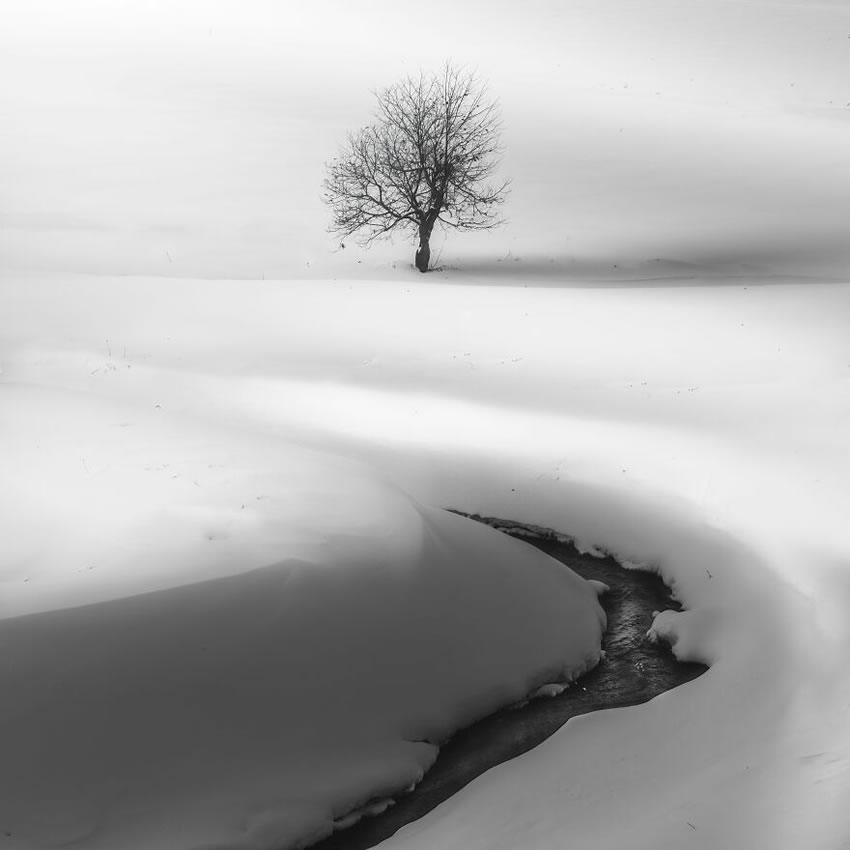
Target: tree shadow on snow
[(784, 259)]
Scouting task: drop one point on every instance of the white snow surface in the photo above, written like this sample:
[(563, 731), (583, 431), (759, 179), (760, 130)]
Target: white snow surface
[(653, 357), (213, 637)]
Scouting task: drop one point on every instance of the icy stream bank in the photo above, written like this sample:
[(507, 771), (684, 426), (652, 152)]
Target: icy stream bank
[(633, 671)]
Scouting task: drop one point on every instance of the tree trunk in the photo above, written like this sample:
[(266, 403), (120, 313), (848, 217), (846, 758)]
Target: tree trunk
[(423, 252)]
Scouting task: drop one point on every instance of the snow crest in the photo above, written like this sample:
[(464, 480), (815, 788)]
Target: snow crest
[(187, 691)]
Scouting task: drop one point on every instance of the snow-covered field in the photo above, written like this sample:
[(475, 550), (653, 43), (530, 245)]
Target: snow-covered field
[(232, 607)]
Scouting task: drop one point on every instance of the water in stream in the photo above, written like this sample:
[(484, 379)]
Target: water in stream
[(633, 671)]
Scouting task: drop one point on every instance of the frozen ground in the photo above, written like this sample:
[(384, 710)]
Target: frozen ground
[(653, 356)]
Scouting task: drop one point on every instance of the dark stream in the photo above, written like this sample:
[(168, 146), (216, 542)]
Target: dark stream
[(633, 671)]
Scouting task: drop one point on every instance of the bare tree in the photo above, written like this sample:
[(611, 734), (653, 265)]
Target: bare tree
[(426, 158)]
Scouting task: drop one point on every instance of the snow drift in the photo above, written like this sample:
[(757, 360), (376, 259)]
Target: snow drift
[(176, 688)]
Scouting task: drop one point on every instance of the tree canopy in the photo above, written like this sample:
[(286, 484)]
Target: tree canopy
[(427, 157)]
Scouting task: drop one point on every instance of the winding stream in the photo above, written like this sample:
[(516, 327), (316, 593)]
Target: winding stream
[(633, 671)]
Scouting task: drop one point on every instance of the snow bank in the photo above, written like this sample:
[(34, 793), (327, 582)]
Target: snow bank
[(211, 639)]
